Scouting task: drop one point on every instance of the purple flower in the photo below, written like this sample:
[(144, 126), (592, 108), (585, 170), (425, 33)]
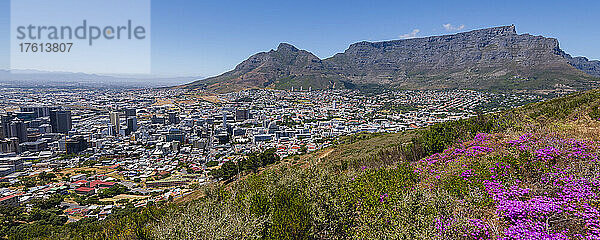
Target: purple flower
[(383, 197)]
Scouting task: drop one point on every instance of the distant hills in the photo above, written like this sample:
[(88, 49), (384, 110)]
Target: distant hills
[(493, 58), (34, 78)]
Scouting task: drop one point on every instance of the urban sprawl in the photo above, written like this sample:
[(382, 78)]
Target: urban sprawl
[(104, 149)]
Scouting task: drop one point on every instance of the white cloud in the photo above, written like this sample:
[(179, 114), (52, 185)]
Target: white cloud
[(451, 28), (412, 34)]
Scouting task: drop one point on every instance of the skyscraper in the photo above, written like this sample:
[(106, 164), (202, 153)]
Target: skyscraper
[(130, 112), (18, 130), (60, 121), (131, 124), (115, 122), (5, 125), (173, 118), (53, 121)]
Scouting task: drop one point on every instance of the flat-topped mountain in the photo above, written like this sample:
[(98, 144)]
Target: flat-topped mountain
[(492, 58)]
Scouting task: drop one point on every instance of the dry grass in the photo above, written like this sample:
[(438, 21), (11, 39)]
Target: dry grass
[(123, 196), (97, 170), (349, 150), (194, 195)]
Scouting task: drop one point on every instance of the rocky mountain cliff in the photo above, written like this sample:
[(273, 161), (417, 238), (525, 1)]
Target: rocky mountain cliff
[(583, 64), (492, 58)]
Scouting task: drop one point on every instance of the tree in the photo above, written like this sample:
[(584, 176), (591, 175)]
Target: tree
[(112, 191), (44, 176), (51, 202), (254, 161)]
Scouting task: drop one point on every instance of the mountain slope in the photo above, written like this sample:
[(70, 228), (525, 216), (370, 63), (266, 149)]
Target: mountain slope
[(488, 58), (492, 58), (583, 64), (265, 68)]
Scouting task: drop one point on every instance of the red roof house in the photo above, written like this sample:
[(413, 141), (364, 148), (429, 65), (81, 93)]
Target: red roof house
[(12, 200), (100, 183), (81, 183), (85, 191)]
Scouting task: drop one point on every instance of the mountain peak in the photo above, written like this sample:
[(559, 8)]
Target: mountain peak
[(286, 47), (501, 30)]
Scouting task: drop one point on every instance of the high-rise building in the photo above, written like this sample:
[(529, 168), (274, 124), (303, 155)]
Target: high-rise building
[(14, 163), (130, 112), (157, 120), (175, 134), (5, 125), (34, 123), (39, 111), (241, 115), (173, 118), (36, 146), (53, 120), (6, 146), (18, 130), (25, 116), (115, 122), (131, 125), (60, 121), (111, 129), (76, 145)]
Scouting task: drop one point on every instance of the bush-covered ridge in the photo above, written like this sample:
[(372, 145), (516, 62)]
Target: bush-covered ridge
[(494, 186)]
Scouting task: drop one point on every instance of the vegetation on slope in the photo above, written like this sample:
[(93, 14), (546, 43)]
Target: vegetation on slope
[(128, 223)]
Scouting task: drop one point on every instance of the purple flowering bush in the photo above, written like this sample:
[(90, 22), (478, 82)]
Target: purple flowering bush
[(534, 187)]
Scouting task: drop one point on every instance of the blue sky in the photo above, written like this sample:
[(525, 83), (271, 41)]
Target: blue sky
[(206, 38)]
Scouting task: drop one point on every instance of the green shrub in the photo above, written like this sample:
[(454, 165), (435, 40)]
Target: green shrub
[(456, 186), (290, 217), (595, 113)]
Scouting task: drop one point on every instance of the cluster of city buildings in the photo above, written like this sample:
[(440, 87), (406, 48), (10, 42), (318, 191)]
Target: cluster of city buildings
[(160, 140)]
